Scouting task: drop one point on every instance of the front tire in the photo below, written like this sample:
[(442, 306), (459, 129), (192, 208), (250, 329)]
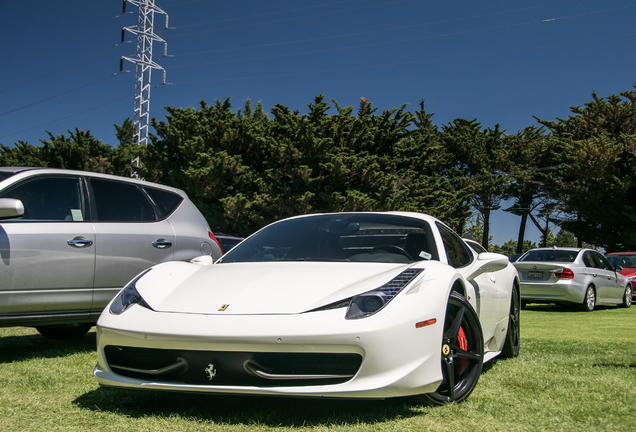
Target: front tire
[(511, 345), (627, 297), (462, 353), (589, 301)]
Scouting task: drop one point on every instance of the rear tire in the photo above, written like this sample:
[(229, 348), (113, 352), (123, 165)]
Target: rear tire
[(462, 348), (589, 301), (64, 332), (627, 297), (511, 345)]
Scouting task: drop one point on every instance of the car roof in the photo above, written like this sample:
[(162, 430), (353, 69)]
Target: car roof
[(16, 169), (22, 172)]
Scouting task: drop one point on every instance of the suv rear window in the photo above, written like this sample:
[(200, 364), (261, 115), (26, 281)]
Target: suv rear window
[(165, 201)]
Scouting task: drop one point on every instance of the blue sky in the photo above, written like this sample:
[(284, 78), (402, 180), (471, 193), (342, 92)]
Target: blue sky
[(500, 62)]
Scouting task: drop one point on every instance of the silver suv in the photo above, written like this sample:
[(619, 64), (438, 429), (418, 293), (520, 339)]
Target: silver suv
[(70, 240)]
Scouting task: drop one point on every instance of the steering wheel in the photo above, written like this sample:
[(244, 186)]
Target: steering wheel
[(393, 249)]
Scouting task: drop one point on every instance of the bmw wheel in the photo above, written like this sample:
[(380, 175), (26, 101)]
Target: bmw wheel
[(589, 301), (462, 353), (627, 297)]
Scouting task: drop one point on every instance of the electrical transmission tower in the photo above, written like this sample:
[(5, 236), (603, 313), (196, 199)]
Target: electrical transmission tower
[(144, 62)]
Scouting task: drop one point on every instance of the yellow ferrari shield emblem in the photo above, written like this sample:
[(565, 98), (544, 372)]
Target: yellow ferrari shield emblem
[(445, 349), (225, 306)]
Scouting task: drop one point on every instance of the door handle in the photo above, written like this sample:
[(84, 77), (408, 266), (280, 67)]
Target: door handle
[(161, 243), (79, 242)]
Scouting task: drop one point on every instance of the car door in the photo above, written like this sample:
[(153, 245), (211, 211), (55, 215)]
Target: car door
[(47, 257), (129, 237), (487, 290), (614, 287), (600, 276)]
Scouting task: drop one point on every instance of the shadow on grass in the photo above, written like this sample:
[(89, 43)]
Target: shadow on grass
[(20, 348), (538, 307), (247, 410)]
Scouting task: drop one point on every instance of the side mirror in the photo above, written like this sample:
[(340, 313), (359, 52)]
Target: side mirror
[(618, 268), (488, 262), (11, 208)]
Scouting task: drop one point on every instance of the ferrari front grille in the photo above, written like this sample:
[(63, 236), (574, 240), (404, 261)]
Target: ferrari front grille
[(227, 368)]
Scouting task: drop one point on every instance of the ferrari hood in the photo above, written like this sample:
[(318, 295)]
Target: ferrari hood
[(259, 288)]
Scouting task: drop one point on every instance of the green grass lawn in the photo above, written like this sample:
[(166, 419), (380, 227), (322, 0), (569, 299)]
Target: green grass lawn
[(572, 374)]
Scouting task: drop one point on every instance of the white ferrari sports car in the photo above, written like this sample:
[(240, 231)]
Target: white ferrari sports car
[(355, 305)]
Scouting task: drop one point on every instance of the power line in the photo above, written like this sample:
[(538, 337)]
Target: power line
[(59, 41), (268, 14), (287, 19), (407, 63), (405, 40), (66, 117), (60, 94), (61, 68), (375, 31)]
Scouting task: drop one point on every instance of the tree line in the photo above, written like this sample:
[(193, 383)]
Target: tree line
[(245, 168)]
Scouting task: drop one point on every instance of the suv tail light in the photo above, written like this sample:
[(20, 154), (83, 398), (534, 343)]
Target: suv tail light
[(566, 273), (215, 240)]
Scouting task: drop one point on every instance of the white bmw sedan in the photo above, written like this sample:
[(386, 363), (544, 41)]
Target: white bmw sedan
[(357, 305)]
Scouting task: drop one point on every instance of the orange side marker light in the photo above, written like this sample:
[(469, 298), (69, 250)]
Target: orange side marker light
[(425, 323)]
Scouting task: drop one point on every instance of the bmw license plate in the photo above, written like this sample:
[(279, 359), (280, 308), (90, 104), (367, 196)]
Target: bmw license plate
[(535, 275)]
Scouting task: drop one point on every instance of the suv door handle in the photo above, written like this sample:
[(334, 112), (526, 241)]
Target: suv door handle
[(161, 243), (79, 242)]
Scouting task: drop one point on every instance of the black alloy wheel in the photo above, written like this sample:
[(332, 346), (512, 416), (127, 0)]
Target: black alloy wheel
[(462, 353), (511, 345)]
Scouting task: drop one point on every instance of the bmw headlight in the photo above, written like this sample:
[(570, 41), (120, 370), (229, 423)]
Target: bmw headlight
[(369, 303), (128, 297)]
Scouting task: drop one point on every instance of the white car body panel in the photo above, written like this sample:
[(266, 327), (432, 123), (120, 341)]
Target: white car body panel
[(269, 307)]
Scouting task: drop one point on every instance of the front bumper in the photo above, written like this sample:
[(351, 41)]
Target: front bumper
[(312, 354)]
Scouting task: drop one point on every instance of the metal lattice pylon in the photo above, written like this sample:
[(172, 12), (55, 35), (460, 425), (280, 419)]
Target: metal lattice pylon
[(144, 30)]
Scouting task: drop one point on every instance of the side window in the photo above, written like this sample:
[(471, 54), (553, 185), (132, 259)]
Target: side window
[(588, 260), (456, 252), (49, 199), (603, 262), (120, 202), (165, 201), (477, 247)]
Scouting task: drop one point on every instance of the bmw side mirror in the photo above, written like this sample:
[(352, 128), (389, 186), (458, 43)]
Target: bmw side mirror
[(11, 208)]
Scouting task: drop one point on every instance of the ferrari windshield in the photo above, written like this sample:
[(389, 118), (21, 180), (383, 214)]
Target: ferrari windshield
[(357, 237)]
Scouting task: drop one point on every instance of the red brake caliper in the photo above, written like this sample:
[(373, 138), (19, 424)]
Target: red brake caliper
[(463, 344)]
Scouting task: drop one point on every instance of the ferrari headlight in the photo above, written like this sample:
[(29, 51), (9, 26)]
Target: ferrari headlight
[(369, 303), (128, 297)]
